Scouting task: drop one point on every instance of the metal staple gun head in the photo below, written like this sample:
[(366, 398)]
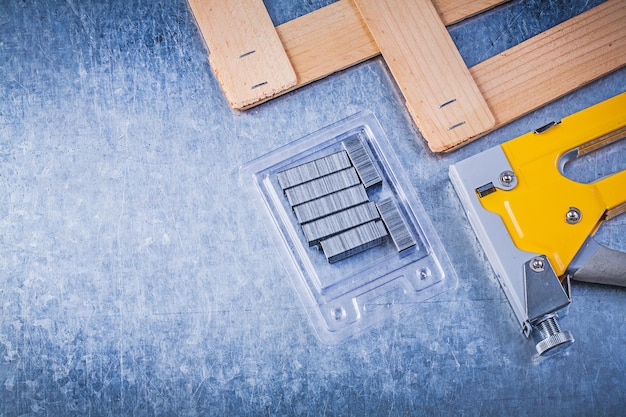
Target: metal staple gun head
[(536, 225)]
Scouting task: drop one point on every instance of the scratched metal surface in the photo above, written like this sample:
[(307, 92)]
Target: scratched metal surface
[(136, 277)]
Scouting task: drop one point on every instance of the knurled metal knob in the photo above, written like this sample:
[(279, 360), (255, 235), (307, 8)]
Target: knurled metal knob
[(560, 340), (553, 338)]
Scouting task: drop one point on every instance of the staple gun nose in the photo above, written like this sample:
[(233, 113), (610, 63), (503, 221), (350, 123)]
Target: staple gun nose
[(536, 225)]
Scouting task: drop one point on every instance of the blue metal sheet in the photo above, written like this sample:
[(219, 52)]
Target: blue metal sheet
[(136, 279)]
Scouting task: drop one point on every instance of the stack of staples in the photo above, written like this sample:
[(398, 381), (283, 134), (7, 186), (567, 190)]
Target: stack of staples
[(328, 226), (362, 162), (322, 186), (398, 229), (329, 198), (314, 169), (353, 241), (331, 203)]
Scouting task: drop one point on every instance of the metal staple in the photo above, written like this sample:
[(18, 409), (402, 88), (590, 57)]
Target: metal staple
[(330, 204), (362, 162), (353, 241), (313, 169), (336, 223), (322, 186), (395, 224)]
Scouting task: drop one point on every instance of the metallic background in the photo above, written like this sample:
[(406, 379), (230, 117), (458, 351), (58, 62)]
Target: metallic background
[(137, 277)]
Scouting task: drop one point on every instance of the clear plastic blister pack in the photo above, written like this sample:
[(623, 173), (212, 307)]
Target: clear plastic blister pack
[(350, 227)]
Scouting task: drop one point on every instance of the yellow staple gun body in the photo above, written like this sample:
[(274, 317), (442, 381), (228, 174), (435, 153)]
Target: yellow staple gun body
[(547, 212), (536, 225)]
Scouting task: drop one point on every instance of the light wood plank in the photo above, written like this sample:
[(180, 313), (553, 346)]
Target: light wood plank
[(453, 11), (335, 37), (513, 83), (244, 49), (555, 62), (319, 43), (440, 93), (326, 41), (490, 76)]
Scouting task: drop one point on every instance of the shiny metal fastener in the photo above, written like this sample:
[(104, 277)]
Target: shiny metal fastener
[(573, 215)]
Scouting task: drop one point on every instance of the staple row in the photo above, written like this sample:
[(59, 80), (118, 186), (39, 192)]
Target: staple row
[(322, 186), (328, 226), (354, 241), (362, 162), (312, 170), (331, 203), (398, 230)]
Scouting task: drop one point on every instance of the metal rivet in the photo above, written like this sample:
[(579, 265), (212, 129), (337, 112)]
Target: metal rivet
[(573, 215), (537, 265), (506, 178)]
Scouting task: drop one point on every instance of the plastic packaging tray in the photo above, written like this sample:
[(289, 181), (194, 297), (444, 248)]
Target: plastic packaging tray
[(349, 295)]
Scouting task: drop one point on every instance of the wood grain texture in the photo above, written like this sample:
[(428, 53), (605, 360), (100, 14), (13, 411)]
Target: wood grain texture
[(244, 49), (335, 37), (555, 62), (453, 11), (326, 41), (439, 90)]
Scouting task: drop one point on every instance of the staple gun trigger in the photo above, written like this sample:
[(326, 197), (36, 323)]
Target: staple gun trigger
[(536, 225)]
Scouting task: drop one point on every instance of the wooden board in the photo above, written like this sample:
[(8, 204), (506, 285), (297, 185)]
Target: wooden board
[(245, 52), (555, 62), (453, 11), (317, 44), (335, 37), (327, 40), (439, 90)]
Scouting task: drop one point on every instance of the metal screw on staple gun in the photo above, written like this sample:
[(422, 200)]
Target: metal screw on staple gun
[(552, 338), (507, 178), (573, 215), (537, 265)]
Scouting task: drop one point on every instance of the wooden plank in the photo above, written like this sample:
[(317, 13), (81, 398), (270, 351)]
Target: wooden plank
[(453, 11), (335, 37), (244, 49), (317, 44), (439, 90), (326, 41), (513, 83), (555, 62), (493, 77)]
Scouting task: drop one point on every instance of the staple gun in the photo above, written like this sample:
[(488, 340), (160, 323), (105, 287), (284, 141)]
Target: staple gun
[(536, 226)]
